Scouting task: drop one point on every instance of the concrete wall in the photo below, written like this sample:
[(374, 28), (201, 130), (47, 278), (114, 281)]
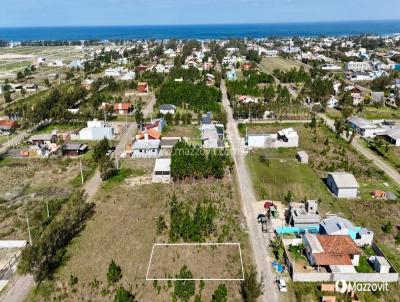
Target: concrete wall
[(8, 244), (354, 277)]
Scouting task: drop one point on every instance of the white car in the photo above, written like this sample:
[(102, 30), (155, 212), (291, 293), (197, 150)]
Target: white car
[(281, 284)]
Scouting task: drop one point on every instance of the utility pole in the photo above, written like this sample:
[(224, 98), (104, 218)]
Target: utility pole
[(80, 165), (47, 207), (29, 230)]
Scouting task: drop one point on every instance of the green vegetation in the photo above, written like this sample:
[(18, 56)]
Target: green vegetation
[(188, 95), (191, 229), (192, 161), (50, 243), (114, 273), (184, 289), (251, 288), (364, 266), (220, 294)]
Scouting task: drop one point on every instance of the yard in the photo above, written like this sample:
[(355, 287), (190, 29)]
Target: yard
[(124, 228)]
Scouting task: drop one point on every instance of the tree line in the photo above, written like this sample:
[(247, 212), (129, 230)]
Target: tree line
[(192, 161), (189, 95)]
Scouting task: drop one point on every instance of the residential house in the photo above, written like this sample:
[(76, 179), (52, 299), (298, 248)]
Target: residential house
[(333, 252), (336, 225), (167, 108), (285, 138), (392, 136), (157, 124), (303, 215), (41, 139), (162, 171), (143, 148), (96, 130), (246, 99), (128, 76), (8, 125), (122, 108), (150, 133), (210, 138), (342, 184), (358, 66), (74, 149), (143, 87), (87, 83), (364, 127)]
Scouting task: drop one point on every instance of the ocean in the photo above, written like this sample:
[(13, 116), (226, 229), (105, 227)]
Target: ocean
[(160, 32)]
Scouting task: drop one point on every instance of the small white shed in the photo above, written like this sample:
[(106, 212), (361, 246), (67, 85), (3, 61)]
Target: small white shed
[(302, 156), (162, 171)]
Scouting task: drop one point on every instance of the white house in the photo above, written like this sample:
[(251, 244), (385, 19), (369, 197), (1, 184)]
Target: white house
[(146, 148), (128, 76), (330, 67), (358, 66), (364, 127), (332, 102), (342, 184), (167, 108), (285, 138), (96, 130), (162, 171), (392, 136)]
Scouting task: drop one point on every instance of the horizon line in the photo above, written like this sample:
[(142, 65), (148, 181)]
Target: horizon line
[(202, 24)]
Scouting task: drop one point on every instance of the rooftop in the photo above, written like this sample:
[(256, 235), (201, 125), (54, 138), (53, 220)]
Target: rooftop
[(344, 180)]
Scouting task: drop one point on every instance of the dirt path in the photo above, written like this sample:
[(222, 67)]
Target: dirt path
[(360, 148), (19, 290), (261, 252)]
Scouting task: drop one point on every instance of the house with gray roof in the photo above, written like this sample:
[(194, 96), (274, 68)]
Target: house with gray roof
[(303, 214), (143, 148)]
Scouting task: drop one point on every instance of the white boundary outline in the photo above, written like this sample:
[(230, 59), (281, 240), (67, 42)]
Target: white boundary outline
[(195, 279)]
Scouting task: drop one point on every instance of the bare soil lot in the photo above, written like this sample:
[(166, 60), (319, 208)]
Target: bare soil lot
[(220, 261), (124, 229)]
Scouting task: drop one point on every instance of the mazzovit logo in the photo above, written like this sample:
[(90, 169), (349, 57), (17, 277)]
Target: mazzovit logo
[(343, 286)]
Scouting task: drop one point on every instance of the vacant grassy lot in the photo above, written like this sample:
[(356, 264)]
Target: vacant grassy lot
[(268, 65), (124, 229), (285, 174), (27, 185), (380, 113), (219, 261), (190, 131)]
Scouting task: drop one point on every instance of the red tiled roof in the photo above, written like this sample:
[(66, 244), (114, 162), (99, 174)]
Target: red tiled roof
[(325, 259), (153, 134), (338, 245), (8, 123), (122, 106)]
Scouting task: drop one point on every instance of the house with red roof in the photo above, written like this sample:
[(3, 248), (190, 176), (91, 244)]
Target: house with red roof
[(8, 125), (143, 87), (332, 251), (122, 108)]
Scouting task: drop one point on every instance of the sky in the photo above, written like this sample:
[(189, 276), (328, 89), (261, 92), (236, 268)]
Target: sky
[(20, 13)]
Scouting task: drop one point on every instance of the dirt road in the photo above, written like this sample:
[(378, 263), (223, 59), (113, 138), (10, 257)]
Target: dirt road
[(19, 290), (261, 252)]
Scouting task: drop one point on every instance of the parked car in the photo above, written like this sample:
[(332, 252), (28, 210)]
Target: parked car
[(281, 284)]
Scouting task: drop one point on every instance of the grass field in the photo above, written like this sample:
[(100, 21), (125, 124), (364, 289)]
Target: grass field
[(26, 185), (391, 154), (124, 229), (380, 113), (268, 65), (275, 180), (190, 131)]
